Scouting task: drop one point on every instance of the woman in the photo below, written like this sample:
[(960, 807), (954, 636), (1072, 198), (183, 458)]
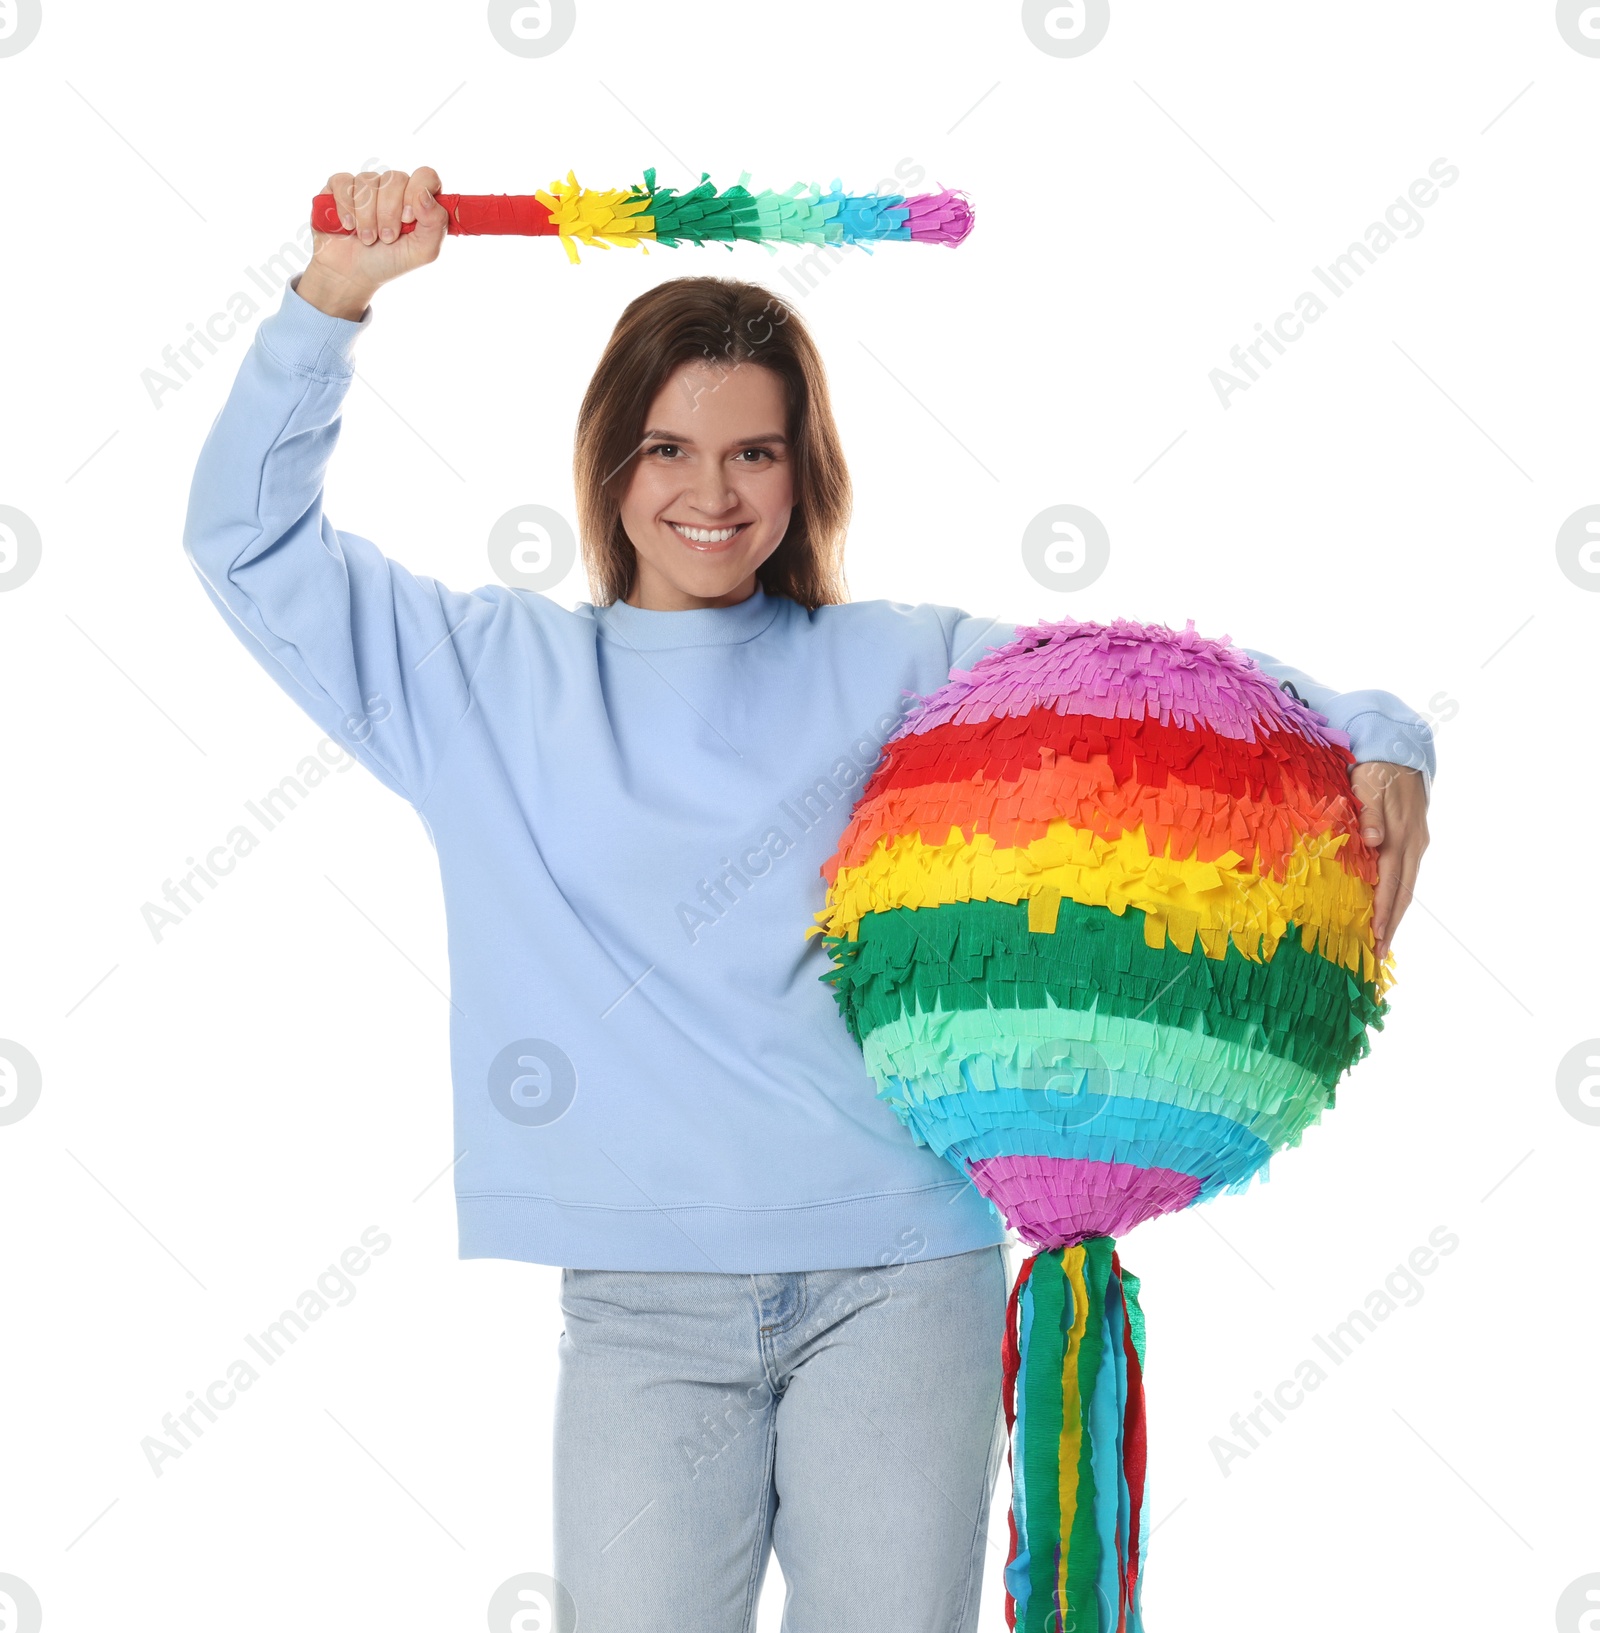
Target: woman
[(782, 1317)]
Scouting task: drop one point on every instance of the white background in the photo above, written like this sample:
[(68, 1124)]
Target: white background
[(224, 1112)]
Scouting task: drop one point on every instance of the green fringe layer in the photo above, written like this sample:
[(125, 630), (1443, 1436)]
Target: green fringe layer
[(1298, 1006)]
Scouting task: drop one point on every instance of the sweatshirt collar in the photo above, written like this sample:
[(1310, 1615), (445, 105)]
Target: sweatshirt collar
[(646, 630)]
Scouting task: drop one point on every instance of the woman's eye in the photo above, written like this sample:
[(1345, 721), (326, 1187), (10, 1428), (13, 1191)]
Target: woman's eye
[(664, 448)]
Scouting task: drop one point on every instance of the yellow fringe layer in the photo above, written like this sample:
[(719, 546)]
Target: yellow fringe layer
[(595, 215), (1184, 902)]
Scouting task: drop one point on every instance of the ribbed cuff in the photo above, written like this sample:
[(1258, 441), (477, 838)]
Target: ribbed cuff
[(308, 340), (1408, 742)]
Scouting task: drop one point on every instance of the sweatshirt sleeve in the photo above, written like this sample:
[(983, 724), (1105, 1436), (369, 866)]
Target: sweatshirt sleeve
[(971, 636), (378, 656), (1378, 724)]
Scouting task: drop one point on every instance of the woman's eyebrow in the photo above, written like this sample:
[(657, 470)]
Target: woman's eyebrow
[(688, 442)]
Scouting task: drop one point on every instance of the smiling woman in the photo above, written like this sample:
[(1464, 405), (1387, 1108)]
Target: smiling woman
[(721, 1182), (709, 411), (704, 511)]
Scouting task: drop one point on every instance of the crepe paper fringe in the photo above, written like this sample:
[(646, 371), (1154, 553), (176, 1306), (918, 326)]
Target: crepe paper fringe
[(1123, 670), (1183, 901), (1142, 751), (1059, 1201), (600, 217), (1119, 1094), (1126, 1119), (982, 955), (1035, 1052), (1102, 924), (1073, 1368), (924, 1057), (1128, 1129), (805, 214), (1129, 1132), (637, 216), (1106, 1115), (944, 217), (1042, 999), (1076, 1159), (1179, 822)]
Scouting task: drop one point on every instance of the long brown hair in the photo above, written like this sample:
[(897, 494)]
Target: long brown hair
[(726, 322)]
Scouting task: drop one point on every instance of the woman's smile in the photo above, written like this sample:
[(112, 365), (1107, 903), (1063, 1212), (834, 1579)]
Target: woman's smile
[(707, 538)]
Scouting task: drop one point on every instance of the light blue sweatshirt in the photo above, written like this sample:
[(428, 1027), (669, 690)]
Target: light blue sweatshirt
[(630, 810)]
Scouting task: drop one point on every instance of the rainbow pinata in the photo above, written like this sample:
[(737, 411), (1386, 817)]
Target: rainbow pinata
[(1102, 924)]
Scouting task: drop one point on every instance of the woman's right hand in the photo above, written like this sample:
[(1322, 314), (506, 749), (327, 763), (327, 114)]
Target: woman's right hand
[(348, 268)]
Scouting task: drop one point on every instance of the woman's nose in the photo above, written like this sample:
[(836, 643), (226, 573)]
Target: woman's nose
[(713, 494)]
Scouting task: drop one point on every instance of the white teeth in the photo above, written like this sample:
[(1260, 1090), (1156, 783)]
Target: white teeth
[(705, 535)]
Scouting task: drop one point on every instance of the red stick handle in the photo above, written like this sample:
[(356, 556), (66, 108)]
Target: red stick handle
[(518, 215)]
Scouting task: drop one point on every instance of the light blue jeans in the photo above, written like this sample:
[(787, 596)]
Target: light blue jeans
[(848, 1420)]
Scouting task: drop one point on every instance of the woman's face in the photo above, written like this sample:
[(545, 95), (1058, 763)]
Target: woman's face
[(712, 486)]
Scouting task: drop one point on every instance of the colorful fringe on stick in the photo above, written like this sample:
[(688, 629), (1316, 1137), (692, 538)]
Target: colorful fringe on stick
[(641, 216), (1074, 1400), (1102, 924)]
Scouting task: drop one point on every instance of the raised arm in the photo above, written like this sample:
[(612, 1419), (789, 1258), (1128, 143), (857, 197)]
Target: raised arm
[(378, 656)]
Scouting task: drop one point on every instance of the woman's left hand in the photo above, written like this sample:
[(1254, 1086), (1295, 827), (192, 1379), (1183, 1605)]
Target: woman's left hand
[(1394, 822)]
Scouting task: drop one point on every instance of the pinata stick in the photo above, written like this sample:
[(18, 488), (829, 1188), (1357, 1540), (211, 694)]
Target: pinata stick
[(478, 215), (662, 215)]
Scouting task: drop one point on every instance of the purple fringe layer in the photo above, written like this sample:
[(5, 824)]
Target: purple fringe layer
[(1122, 670)]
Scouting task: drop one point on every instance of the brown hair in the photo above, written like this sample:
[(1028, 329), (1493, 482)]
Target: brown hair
[(727, 322)]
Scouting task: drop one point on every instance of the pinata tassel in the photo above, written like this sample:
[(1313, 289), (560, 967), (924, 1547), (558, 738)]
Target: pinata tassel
[(1074, 1400)]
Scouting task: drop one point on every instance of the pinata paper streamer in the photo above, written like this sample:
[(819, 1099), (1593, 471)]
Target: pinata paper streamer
[(638, 216), (1102, 924)]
